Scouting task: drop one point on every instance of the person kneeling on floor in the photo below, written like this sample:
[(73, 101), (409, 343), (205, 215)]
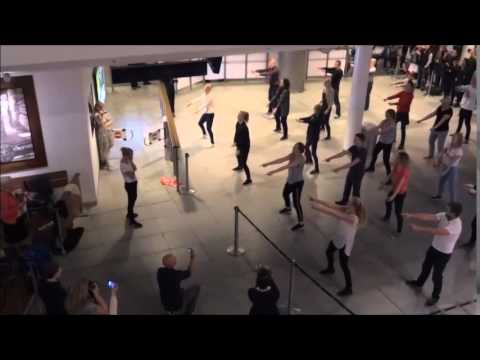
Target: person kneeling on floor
[(174, 298)]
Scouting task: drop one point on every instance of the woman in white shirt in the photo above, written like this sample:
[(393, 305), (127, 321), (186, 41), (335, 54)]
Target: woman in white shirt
[(350, 217), (104, 123), (206, 108), (448, 164), (467, 106), (128, 168)]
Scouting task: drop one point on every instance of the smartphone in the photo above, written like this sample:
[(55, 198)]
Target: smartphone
[(111, 284)]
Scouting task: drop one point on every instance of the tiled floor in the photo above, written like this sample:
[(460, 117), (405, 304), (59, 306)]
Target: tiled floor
[(380, 263)]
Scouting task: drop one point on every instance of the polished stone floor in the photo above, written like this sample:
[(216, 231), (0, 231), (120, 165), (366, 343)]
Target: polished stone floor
[(380, 262)]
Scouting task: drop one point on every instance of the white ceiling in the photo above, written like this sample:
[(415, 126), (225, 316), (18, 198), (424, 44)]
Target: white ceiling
[(49, 57)]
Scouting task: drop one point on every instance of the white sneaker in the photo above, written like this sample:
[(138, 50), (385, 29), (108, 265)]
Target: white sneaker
[(472, 192), (469, 186)]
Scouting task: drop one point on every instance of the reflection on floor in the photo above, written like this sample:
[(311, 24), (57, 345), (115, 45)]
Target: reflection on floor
[(380, 262)]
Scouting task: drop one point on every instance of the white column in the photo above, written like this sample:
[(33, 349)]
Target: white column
[(293, 66), (358, 94)]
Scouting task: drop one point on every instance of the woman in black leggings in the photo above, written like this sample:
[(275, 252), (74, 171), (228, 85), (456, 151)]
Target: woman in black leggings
[(399, 179), (206, 108), (281, 102), (242, 142), (294, 185)]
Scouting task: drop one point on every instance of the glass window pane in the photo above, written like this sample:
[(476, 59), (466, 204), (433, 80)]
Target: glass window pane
[(338, 54), (183, 83), (257, 57), (236, 58), (196, 79), (235, 70), (251, 66), (221, 74), (316, 55), (313, 68)]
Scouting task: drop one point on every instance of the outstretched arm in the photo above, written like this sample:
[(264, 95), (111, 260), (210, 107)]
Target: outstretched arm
[(340, 215), (282, 168), (337, 156), (429, 116), (430, 230), (420, 216), (326, 204), (278, 161)]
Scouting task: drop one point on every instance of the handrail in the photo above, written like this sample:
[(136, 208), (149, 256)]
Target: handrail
[(294, 263), (172, 129), (453, 307)]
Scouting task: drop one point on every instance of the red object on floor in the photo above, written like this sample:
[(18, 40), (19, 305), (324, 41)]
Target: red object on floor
[(164, 180)]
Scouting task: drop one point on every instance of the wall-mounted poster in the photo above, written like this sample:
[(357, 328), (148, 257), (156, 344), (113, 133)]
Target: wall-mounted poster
[(21, 140), (100, 84)]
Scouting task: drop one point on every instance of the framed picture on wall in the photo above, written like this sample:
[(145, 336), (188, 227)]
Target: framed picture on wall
[(21, 140)]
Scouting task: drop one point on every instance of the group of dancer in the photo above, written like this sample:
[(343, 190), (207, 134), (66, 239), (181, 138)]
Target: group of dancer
[(352, 214)]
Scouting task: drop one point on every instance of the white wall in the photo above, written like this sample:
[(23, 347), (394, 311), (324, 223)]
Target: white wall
[(62, 98)]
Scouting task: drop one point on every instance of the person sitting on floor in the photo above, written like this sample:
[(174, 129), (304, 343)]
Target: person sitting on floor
[(264, 296)]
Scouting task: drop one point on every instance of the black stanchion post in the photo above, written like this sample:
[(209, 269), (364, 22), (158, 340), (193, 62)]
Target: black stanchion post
[(186, 188), (235, 250)]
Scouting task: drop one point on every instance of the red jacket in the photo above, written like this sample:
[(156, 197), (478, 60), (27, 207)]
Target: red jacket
[(8, 208), (404, 101)]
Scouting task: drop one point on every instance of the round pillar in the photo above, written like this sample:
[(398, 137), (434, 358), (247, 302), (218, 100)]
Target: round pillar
[(358, 94), (293, 66)]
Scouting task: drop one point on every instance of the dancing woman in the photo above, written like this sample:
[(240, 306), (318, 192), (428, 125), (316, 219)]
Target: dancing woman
[(294, 185), (350, 218)]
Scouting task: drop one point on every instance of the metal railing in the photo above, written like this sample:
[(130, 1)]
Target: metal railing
[(236, 250), (440, 311)]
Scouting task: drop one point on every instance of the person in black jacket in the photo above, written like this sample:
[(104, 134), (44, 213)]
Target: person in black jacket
[(51, 291), (273, 74), (316, 123), (337, 74), (264, 296), (242, 142), (282, 102)]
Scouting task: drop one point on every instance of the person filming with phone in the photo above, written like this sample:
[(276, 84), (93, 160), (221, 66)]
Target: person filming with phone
[(174, 298), (85, 299)]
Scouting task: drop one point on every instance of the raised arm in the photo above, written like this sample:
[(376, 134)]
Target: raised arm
[(421, 216), (429, 116), (337, 156), (278, 161), (340, 215), (285, 167), (392, 97), (430, 230), (347, 166)]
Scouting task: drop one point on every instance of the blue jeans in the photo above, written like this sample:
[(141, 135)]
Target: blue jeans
[(450, 177)]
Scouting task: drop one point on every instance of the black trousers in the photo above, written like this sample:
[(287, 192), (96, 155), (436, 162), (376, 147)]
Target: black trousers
[(438, 261), (207, 118), (242, 157), (296, 190), (473, 234), (272, 90), (353, 181), (464, 115), (369, 90), (281, 120), (403, 119), (398, 201), (448, 88), (343, 263), (327, 123), (311, 150), (387, 149), (131, 189), (336, 101)]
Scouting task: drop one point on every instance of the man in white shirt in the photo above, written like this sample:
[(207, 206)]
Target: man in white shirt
[(128, 168), (207, 110), (467, 106), (445, 236)]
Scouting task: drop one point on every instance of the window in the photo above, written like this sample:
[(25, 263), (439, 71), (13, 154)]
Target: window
[(235, 67), (256, 61)]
